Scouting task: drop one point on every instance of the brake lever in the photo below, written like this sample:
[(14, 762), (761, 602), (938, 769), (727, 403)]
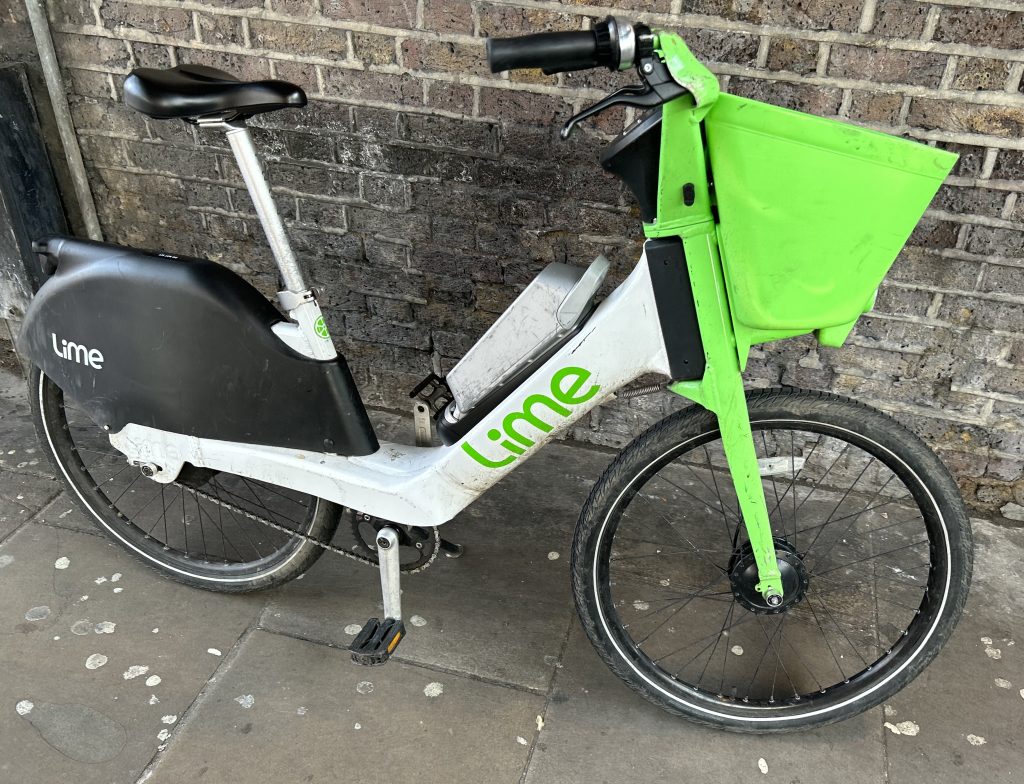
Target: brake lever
[(634, 95), (658, 88)]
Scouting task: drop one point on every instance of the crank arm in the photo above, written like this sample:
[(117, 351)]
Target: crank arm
[(379, 638)]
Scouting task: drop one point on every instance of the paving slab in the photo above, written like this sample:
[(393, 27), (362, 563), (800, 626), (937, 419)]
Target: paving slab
[(480, 632), (22, 496), (493, 635), (72, 708), (292, 711), (968, 705), (597, 730), (500, 612), (62, 512), (19, 447)]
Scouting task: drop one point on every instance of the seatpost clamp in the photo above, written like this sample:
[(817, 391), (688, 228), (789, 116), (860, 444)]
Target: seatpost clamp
[(290, 300)]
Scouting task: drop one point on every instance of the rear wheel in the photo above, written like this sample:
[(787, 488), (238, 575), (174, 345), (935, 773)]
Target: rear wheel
[(871, 538), (198, 529)]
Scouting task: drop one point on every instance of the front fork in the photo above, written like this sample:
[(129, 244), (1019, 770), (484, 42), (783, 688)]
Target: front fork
[(721, 391)]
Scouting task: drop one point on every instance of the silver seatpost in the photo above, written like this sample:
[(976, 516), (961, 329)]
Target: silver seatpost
[(309, 334), (252, 173)]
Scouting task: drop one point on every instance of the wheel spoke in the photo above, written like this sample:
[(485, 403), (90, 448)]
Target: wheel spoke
[(796, 654), (696, 595), (161, 521), (691, 544), (869, 557)]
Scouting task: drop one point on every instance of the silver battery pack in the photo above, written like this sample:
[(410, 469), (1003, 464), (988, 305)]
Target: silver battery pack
[(547, 310)]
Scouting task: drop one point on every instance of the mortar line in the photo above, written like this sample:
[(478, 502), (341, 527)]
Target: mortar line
[(962, 235), (845, 104), (980, 140), (992, 296), (821, 65), (949, 72), (931, 23), (976, 139), (993, 5), (990, 162), (979, 182), (885, 748), (867, 16), (761, 60), (1008, 206), (189, 713)]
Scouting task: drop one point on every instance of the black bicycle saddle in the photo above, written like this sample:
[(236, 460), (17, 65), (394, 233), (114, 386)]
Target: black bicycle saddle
[(193, 91)]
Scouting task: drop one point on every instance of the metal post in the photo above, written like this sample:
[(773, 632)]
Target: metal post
[(55, 87)]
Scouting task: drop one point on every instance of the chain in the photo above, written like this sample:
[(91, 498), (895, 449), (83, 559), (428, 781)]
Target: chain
[(306, 537)]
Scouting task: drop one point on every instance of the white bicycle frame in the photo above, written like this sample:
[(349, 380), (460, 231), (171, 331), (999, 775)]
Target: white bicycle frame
[(410, 485)]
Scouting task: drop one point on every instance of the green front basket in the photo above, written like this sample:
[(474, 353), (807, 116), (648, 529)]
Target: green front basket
[(812, 213)]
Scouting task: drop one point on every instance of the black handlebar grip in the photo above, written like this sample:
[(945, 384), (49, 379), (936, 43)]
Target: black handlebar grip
[(553, 52)]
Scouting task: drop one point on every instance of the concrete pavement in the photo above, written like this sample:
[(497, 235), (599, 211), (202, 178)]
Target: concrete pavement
[(112, 674)]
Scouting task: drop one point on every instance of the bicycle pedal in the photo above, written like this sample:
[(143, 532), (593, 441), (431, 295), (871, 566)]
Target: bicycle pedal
[(376, 642)]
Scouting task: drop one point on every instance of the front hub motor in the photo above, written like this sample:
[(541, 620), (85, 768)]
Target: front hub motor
[(743, 578)]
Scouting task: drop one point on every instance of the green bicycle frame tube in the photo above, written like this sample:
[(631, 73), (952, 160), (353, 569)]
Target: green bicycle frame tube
[(684, 163)]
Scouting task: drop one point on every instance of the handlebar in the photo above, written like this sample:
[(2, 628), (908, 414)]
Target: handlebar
[(553, 52), (666, 67), (611, 44)]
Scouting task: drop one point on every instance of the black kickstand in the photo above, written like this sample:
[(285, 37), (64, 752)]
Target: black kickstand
[(451, 549)]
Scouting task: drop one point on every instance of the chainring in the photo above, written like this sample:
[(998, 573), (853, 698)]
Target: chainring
[(417, 547)]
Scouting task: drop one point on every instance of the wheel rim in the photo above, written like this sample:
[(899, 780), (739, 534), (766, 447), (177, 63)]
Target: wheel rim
[(170, 525), (693, 639)]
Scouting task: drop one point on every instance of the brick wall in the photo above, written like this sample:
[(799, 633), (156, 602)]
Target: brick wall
[(424, 192)]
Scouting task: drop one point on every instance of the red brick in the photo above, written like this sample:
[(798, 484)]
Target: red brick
[(448, 16), (311, 40), (450, 96), (350, 84), (163, 21), (887, 65), (793, 54), (932, 113), (981, 27), (515, 106), (805, 14), (392, 13), (900, 18), (421, 55), (876, 108)]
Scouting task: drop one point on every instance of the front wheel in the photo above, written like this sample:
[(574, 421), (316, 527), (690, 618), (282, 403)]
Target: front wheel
[(872, 540)]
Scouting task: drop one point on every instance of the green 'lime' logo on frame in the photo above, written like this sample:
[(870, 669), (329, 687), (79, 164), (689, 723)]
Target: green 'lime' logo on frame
[(567, 390), (321, 329)]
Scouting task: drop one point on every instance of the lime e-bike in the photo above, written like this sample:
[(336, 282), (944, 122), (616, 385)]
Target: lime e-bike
[(763, 561)]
